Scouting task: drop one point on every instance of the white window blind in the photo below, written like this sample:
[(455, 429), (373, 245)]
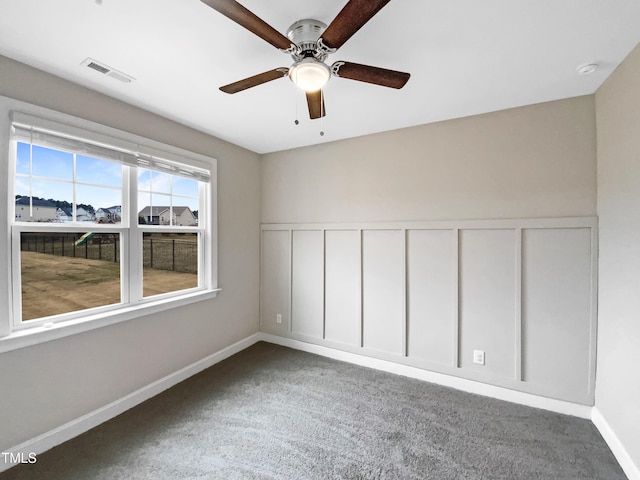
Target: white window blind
[(36, 131)]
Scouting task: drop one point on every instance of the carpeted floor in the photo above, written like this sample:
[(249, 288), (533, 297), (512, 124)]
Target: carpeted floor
[(274, 413)]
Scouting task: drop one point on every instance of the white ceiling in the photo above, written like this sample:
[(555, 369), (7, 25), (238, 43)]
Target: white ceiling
[(465, 57)]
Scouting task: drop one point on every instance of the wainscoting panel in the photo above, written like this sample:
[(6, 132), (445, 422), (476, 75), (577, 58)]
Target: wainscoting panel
[(427, 294), (432, 292), (383, 290), (487, 301), (556, 293), (275, 281), (307, 282), (343, 287)]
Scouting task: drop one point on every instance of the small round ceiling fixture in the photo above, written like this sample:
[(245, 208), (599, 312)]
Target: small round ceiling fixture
[(587, 69)]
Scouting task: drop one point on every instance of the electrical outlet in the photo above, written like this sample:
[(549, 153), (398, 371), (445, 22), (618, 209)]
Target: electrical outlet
[(478, 357), (278, 318)]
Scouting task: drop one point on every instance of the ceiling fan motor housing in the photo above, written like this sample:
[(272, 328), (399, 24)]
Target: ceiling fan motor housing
[(305, 34)]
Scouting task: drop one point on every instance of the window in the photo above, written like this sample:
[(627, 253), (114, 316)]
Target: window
[(101, 224)]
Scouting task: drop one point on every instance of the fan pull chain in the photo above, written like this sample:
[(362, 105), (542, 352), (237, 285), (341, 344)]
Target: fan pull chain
[(322, 113), (297, 97)]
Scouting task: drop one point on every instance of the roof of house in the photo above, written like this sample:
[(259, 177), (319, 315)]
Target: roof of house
[(113, 209), (35, 202), (157, 211)]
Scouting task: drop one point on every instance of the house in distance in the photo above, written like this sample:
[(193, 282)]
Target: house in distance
[(35, 211), (164, 215), (109, 214)]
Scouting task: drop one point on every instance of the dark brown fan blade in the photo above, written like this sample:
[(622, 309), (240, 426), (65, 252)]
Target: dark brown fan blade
[(375, 75), (255, 80), (350, 19), (248, 20), (316, 104)]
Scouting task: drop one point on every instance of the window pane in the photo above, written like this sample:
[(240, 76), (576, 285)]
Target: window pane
[(160, 182), (50, 163), (68, 272), (22, 159), (98, 172), (192, 203), (157, 210), (144, 213), (51, 201), (162, 209), (102, 205), (167, 200), (169, 261), (153, 181), (144, 180), (35, 210), (22, 186), (52, 190), (185, 187), (154, 209)]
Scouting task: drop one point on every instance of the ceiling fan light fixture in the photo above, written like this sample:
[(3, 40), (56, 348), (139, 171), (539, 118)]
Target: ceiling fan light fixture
[(309, 74)]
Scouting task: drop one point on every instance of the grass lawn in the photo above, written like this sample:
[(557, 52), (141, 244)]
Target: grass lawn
[(52, 284)]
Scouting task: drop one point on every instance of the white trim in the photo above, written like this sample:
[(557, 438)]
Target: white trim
[(361, 286), (617, 448), (11, 336), (45, 333), (69, 430), (455, 348), (290, 290), (486, 224), (518, 304), (405, 290), (593, 313), (470, 386)]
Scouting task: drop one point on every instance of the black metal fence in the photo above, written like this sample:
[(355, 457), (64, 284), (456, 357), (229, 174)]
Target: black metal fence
[(102, 246), (170, 253), (176, 254)]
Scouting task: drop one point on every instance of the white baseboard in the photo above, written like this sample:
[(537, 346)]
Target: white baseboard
[(82, 424), (500, 393), (617, 448), (72, 429)]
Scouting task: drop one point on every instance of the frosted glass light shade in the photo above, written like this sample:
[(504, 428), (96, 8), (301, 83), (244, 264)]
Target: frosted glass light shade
[(309, 74)]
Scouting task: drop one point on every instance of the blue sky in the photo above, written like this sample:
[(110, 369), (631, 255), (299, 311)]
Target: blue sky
[(98, 182)]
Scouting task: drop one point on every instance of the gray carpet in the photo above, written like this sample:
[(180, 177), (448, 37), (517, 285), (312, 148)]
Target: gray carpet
[(274, 413)]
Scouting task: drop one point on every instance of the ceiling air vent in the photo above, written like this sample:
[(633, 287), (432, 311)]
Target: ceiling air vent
[(108, 71)]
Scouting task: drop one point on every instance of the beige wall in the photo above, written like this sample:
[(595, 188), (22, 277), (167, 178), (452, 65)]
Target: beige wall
[(618, 380), (45, 386), (535, 161), (523, 163)]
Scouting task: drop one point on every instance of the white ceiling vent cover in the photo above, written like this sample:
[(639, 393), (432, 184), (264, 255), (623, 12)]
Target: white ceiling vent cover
[(108, 71)]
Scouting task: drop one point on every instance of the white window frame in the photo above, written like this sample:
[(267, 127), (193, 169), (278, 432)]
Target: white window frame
[(18, 333)]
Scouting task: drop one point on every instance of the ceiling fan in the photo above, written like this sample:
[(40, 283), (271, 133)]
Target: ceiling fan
[(310, 42)]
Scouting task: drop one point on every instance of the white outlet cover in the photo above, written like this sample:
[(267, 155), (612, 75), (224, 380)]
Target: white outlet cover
[(278, 318), (478, 357)]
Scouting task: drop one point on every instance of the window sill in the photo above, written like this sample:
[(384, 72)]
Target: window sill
[(40, 334)]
